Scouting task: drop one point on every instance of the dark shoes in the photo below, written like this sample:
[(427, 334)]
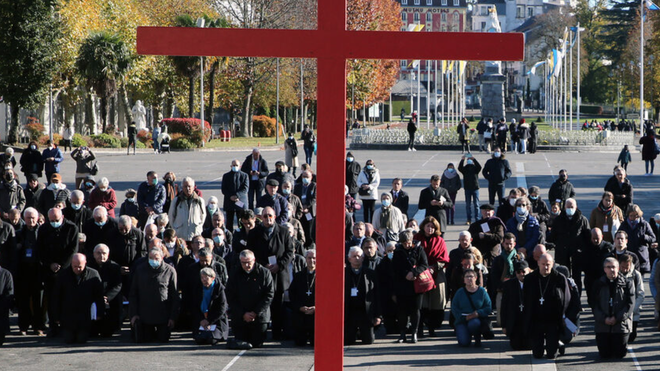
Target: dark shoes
[(238, 345), (401, 339)]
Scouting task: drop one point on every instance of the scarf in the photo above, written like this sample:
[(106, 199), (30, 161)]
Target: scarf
[(509, 262), (450, 174), (603, 210), (370, 174), (633, 223), (521, 220), (206, 297)]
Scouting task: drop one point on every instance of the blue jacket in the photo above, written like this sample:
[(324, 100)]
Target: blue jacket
[(460, 304), (52, 166), (151, 196), (532, 233)]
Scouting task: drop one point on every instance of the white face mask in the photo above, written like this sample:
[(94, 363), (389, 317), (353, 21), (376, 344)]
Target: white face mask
[(512, 201)]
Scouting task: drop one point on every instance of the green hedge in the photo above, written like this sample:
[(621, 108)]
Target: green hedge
[(182, 143), (106, 141)]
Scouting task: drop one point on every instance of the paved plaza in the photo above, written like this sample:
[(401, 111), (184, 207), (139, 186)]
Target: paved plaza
[(587, 171)]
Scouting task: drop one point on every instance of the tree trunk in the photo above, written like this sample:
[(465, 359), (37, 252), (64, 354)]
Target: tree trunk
[(246, 122), (191, 96), (169, 104), (214, 70), (112, 122), (12, 138), (90, 113), (104, 113), (123, 102)]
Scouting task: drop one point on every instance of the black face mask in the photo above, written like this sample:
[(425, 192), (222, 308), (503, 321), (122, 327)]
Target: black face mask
[(9, 177), (563, 178)]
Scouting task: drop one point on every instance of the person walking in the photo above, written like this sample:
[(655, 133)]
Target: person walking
[(291, 154), (132, 138), (470, 168), (464, 135), (309, 139), (412, 128), (649, 151), (496, 171), (451, 181)]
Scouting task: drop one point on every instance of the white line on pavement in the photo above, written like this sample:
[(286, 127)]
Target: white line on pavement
[(234, 360), (550, 167), (427, 161), (419, 215), (521, 180), (411, 178), (632, 353), (210, 181)]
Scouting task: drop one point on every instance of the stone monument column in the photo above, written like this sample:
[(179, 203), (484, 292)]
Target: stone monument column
[(492, 81)]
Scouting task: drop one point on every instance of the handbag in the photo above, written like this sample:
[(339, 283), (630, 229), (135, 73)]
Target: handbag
[(424, 282), (486, 323), (95, 169), (488, 134)]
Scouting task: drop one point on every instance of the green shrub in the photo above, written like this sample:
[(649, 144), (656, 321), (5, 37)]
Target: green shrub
[(105, 141), (182, 143), (263, 126), (539, 119), (78, 141), (594, 110)]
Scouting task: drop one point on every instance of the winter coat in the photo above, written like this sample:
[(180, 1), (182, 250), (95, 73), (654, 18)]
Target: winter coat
[(11, 196), (569, 236), (187, 216), (52, 166), (612, 220), (353, 171), (250, 292), (451, 184), (107, 199), (32, 162), (73, 298), (363, 178), (291, 152), (497, 170), (83, 161), (649, 148), (154, 296), (560, 191), (623, 305), (235, 184), (470, 174), (623, 192), (640, 239)]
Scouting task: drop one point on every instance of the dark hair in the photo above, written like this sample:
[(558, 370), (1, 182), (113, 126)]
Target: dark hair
[(151, 173), (169, 233), (469, 270), (469, 256), (248, 214), (509, 236), (367, 240), (435, 177), (624, 233), (625, 258)]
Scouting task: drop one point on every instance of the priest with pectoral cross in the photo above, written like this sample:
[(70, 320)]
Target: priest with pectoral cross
[(513, 308), (546, 295), (302, 295)]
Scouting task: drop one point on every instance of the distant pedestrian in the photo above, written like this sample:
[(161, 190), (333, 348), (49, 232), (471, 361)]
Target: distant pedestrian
[(132, 138), (154, 137), (649, 151), (624, 157), (412, 128), (67, 136), (464, 135), (309, 139)]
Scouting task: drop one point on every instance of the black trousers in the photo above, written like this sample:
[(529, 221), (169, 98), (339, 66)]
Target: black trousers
[(254, 192), (149, 333), (229, 221), (75, 335), (303, 326), (519, 339), (250, 332), (612, 345), (31, 310), (368, 207), (276, 315), (411, 140), (355, 321), (409, 306), (547, 333)]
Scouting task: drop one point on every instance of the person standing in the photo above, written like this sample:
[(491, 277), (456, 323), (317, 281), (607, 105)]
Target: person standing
[(513, 132), (523, 136), (470, 168), (235, 187), (451, 181), (6, 298), (606, 216), (353, 170), (463, 131), (150, 197), (368, 182), (513, 306), (257, 168), (400, 197), (628, 271), (309, 139), (409, 262), (435, 200), (481, 129), (649, 151), (187, 212), (32, 162), (103, 195), (155, 133), (501, 129), (641, 239), (496, 171), (29, 285), (412, 129), (67, 136), (621, 188), (303, 297), (361, 298), (52, 156), (613, 308), (132, 138), (533, 137), (83, 156), (561, 189), (624, 157), (291, 154)]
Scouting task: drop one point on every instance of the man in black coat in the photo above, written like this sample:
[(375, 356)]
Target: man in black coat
[(257, 169), (154, 299), (306, 191), (488, 234), (361, 302), (235, 186), (561, 190), (302, 293), (76, 212), (276, 201), (400, 197), (273, 249), (593, 255), (435, 200), (570, 233), (280, 175), (99, 229), (470, 168), (250, 291), (8, 247), (547, 295), (32, 191), (57, 241), (128, 245), (496, 171), (56, 192), (29, 285), (218, 221), (111, 278), (78, 300), (513, 307), (6, 300), (353, 170)]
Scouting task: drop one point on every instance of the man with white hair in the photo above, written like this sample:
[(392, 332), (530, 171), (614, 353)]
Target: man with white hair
[(110, 272), (211, 208), (361, 310), (154, 300), (187, 211), (99, 229), (76, 211), (257, 168), (29, 287)]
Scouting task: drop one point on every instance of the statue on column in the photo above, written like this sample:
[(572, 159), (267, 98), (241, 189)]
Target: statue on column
[(139, 115), (493, 25)]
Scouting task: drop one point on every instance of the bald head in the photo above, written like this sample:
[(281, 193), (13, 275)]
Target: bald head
[(546, 262), (55, 215), (78, 263), (538, 251), (150, 231), (596, 236)]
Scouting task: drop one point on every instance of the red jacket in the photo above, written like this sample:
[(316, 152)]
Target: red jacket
[(106, 199)]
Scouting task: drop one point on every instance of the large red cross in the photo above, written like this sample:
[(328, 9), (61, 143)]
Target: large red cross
[(331, 44)]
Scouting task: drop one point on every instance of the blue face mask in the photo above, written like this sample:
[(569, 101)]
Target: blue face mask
[(497, 154), (154, 182), (286, 191), (534, 197), (212, 207), (305, 181), (130, 199), (349, 159), (390, 255), (56, 224), (570, 212), (154, 263), (218, 239), (469, 162), (370, 167), (76, 206), (386, 203), (100, 224), (89, 185), (235, 169)]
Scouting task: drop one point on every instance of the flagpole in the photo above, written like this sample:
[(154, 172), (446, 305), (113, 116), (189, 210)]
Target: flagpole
[(570, 89), (435, 96), (579, 52), (428, 94), (419, 92), (545, 91), (442, 101), (641, 67), (565, 92)]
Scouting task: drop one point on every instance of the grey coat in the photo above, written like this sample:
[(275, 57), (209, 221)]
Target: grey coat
[(154, 296)]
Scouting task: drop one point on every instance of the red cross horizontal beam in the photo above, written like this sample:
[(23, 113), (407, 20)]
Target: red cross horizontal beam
[(235, 42)]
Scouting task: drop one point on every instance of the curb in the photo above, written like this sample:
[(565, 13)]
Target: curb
[(428, 147)]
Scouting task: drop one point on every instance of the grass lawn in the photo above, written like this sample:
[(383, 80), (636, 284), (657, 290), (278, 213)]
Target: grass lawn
[(241, 142)]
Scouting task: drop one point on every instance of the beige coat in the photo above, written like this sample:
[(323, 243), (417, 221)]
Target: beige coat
[(187, 219)]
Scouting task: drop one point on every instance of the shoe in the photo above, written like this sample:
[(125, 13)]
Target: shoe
[(401, 339), (414, 150), (467, 223), (414, 339), (23, 333), (40, 333), (562, 349), (409, 150)]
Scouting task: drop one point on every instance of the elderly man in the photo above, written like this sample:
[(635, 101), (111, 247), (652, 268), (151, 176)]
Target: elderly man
[(257, 168), (151, 198), (54, 193), (235, 186), (593, 255), (359, 231), (129, 244), (101, 228), (513, 307), (295, 205), (77, 212), (11, 193), (57, 241), (487, 234), (273, 249), (455, 257), (361, 305), (303, 297), (187, 211), (306, 191), (154, 300), (276, 201), (250, 290), (613, 307), (6, 299), (111, 278), (503, 269), (218, 221), (570, 234), (78, 300), (547, 295), (29, 288), (280, 175)]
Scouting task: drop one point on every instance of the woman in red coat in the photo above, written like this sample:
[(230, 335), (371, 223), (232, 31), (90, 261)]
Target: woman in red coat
[(649, 151), (104, 196), (434, 301)]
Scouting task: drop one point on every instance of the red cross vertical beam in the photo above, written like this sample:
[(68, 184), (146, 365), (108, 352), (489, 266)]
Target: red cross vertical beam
[(331, 44)]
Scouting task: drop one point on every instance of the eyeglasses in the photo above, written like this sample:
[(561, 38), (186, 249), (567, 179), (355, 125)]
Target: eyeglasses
[(269, 215)]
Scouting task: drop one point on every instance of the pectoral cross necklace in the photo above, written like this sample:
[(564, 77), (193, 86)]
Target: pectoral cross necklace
[(310, 285), (541, 300)]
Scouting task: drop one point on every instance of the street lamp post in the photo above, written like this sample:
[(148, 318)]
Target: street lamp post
[(200, 23)]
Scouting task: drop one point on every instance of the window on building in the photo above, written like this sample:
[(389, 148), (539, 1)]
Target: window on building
[(404, 2), (404, 16), (520, 12), (483, 26), (530, 12), (484, 10), (444, 28), (416, 17), (417, 2), (429, 2), (443, 17), (444, 2), (404, 63), (456, 2)]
